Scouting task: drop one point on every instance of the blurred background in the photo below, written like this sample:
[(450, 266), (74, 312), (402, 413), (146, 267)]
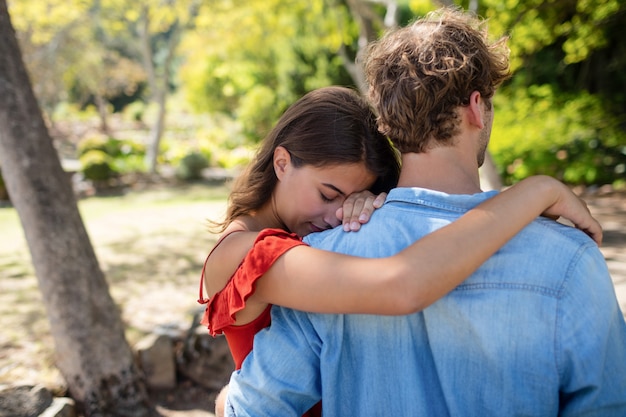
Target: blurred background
[(199, 83), (154, 106)]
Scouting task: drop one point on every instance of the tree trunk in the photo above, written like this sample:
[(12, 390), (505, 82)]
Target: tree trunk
[(158, 82), (361, 13), (101, 105), (91, 350), (156, 133)]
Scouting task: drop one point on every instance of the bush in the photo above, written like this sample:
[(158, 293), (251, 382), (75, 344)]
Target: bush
[(191, 166), (235, 158), (96, 165), (123, 156), (93, 143), (129, 164), (135, 111), (572, 138), (113, 147)]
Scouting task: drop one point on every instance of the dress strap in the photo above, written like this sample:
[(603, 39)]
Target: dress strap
[(203, 300)]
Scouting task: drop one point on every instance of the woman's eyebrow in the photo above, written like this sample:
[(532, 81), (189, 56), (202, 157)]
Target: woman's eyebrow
[(325, 184)]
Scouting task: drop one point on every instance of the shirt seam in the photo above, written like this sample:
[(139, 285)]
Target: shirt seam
[(558, 344)]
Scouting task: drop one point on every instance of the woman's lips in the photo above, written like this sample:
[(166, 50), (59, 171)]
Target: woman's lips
[(315, 229)]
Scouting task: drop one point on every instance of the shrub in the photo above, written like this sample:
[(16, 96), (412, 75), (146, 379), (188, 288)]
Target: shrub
[(235, 158), (124, 147), (132, 163), (96, 165), (191, 166), (93, 143), (113, 147), (135, 111), (538, 131), (122, 156)]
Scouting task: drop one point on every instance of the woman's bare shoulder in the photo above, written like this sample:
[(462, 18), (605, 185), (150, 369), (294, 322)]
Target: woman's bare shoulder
[(226, 256)]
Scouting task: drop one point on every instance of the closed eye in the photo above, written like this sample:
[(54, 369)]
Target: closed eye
[(336, 192)]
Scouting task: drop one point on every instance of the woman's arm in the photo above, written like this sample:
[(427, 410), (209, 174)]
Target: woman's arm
[(309, 279)]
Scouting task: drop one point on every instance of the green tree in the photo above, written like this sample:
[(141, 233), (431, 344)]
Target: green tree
[(575, 45), (71, 58), (48, 33), (156, 29), (251, 59), (576, 51)]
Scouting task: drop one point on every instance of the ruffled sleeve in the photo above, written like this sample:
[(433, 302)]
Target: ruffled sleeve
[(269, 245)]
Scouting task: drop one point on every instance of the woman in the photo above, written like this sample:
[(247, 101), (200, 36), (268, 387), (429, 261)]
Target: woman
[(325, 148)]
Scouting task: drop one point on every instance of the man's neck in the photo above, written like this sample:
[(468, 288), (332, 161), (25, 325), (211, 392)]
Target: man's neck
[(444, 169)]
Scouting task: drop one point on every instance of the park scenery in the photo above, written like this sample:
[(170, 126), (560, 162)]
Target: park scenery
[(123, 124)]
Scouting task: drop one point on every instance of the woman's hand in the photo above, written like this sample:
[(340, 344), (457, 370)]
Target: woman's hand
[(575, 210), (569, 206), (357, 209)]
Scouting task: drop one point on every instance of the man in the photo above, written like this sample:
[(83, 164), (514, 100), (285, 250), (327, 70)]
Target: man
[(536, 331)]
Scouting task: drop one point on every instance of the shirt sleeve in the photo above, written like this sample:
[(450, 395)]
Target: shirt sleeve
[(281, 376), (269, 245), (591, 341)]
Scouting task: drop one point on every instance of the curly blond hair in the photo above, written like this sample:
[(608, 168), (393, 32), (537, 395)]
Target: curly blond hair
[(420, 74)]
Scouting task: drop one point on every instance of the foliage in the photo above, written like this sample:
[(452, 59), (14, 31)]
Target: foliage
[(94, 143), (252, 59), (96, 165), (242, 63), (542, 131), (103, 157), (235, 158), (221, 143), (135, 111), (191, 166), (68, 54), (577, 46), (111, 146)]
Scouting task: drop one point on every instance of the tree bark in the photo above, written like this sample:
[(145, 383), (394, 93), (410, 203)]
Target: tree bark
[(367, 19), (101, 105), (91, 350), (158, 84)]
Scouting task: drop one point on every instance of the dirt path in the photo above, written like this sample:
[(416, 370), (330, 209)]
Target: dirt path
[(610, 210)]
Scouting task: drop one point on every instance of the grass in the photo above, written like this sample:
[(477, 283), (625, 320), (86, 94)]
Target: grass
[(150, 245)]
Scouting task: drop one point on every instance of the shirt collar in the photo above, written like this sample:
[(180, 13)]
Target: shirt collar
[(437, 199)]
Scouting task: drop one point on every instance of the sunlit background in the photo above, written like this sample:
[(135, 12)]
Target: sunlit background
[(152, 104)]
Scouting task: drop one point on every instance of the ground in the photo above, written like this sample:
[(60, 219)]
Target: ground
[(151, 247)]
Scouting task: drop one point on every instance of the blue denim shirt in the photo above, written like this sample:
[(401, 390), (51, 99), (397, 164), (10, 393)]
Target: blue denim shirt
[(536, 331)]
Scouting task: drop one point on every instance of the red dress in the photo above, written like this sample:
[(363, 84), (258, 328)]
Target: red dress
[(221, 309)]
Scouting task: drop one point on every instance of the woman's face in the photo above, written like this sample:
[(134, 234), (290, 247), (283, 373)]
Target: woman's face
[(307, 198)]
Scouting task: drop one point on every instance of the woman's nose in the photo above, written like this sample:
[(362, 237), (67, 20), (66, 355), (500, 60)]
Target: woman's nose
[(330, 217)]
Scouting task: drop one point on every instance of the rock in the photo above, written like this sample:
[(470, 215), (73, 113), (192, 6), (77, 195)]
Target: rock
[(24, 401), (206, 360), (60, 407), (155, 354)]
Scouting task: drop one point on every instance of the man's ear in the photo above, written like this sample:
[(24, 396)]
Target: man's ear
[(475, 110), (282, 159)]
